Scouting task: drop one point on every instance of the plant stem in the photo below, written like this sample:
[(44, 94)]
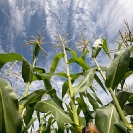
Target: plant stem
[(75, 115), (28, 84), (115, 99), (119, 109), (99, 69), (118, 106), (27, 89)]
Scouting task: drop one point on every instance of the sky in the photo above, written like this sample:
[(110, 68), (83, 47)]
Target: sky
[(21, 19)]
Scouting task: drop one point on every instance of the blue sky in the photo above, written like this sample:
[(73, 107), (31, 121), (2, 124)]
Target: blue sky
[(21, 19)]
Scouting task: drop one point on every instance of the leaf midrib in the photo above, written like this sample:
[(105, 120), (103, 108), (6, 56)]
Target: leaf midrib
[(58, 110), (111, 116)]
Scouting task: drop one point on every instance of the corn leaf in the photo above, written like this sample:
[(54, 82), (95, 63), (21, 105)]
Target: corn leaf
[(107, 118), (117, 68), (10, 119), (97, 47), (105, 48), (83, 85), (80, 61), (58, 113), (56, 61), (26, 67)]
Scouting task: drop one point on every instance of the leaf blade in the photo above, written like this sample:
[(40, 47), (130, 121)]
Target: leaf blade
[(58, 113)]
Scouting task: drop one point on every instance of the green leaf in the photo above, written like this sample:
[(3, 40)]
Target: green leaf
[(32, 97), (65, 85), (55, 98), (60, 127), (105, 48), (36, 50), (119, 46), (50, 122), (10, 119), (117, 68), (83, 106), (46, 81), (84, 54), (56, 61), (39, 70), (27, 71), (30, 123), (83, 85), (128, 73), (42, 76), (28, 115), (131, 63), (131, 98), (92, 101), (73, 53), (26, 67), (81, 62), (106, 119), (128, 108), (123, 97), (82, 122), (58, 113), (131, 119), (64, 88), (99, 82), (97, 99), (4, 58), (97, 47)]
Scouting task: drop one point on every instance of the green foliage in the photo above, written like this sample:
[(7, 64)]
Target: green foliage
[(83, 85), (80, 105), (10, 120), (107, 118), (117, 68), (50, 105)]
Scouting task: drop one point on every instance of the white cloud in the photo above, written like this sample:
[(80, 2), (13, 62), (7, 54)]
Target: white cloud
[(96, 19)]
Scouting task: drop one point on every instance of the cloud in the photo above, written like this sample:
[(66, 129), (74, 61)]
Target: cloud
[(96, 19)]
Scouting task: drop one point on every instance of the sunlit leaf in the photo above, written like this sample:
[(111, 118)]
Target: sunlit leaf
[(26, 66), (56, 61), (106, 119), (73, 53), (80, 61), (58, 113), (83, 85), (84, 54), (4, 58), (97, 47), (117, 68), (105, 48), (10, 120)]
